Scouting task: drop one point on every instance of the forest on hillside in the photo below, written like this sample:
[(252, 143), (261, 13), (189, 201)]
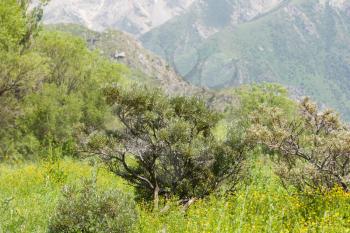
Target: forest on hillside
[(85, 147)]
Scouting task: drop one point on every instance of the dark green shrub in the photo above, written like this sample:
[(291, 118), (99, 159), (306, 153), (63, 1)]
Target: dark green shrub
[(166, 146), (85, 209)]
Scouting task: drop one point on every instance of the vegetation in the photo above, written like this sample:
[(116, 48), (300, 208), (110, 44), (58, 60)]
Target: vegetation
[(50, 89), (85, 209), (19, 66), (68, 114), (313, 148), (30, 193), (170, 140)]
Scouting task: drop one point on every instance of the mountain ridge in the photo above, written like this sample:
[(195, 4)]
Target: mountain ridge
[(303, 45), (146, 67), (134, 17)]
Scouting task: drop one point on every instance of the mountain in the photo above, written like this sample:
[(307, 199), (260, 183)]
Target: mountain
[(135, 17), (146, 67), (182, 36), (303, 44), (122, 48)]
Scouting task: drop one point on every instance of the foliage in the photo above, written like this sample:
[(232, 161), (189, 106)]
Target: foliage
[(313, 147), (166, 146), (254, 96), (260, 205), (12, 24), (68, 101), (20, 67), (85, 209), (30, 192), (19, 24), (50, 91)]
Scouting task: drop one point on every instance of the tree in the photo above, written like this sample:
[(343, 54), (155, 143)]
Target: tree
[(69, 103), (165, 146), (252, 97), (20, 68), (18, 25), (50, 84), (68, 59), (313, 147)]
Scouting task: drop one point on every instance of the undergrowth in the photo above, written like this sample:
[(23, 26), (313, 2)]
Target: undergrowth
[(29, 195)]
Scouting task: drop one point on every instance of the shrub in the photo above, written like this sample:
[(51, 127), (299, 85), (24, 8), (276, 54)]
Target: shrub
[(313, 147), (166, 145), (85, 209)]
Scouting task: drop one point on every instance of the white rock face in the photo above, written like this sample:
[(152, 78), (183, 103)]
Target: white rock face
[(133, 16)]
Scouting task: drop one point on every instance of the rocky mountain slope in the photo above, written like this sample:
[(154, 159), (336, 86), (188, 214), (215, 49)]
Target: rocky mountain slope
[(145, 66), (122, 48), (135, 17), (182, 36), (303, 44)]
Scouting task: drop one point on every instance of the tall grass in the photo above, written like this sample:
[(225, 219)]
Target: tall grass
[(29, 194), (260, 205)]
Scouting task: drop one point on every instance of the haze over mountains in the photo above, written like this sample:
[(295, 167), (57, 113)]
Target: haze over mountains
[(303, 44), (135, 17)]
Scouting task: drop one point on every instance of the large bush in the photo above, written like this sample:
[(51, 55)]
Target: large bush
[(313, 147), (165, 146), (85, 209)]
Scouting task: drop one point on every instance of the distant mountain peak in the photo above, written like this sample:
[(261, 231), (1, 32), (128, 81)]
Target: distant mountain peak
[(135, 17)]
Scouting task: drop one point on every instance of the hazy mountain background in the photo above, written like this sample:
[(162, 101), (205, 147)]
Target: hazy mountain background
[(135, 16), (303, 44), (145, 66)]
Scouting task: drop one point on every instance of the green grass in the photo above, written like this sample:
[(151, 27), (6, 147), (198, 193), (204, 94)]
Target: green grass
[(29, 193), (262, 205)]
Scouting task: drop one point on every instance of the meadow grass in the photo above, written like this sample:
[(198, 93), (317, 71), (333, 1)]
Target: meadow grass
[(29, 194), (259, 205)]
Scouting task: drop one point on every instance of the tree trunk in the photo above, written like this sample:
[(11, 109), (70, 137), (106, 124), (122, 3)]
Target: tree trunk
[(156, 197)]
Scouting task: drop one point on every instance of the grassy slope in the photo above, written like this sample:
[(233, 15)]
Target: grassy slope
[(259, 205), (30, 192)]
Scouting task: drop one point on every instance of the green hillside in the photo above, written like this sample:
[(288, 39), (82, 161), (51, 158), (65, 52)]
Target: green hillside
[(301, 44)]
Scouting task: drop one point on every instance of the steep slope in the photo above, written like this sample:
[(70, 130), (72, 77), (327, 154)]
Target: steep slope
[(135, 17), (304, 44), (183, 35), (146, 67), (122, 48)]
